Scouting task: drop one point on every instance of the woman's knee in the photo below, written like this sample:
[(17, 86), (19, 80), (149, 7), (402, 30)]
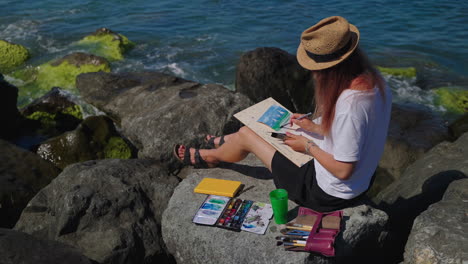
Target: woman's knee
[(246, 132)]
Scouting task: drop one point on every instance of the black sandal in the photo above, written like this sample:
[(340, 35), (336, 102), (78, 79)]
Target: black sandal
[(199, 162), (210, 142)]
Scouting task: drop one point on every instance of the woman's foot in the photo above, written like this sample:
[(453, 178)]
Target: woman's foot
[(194, 157)]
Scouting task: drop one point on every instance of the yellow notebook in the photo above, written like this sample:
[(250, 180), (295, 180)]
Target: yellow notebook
[(218, 187)]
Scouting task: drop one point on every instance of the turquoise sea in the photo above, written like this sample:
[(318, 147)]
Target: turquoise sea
[(202, 40)]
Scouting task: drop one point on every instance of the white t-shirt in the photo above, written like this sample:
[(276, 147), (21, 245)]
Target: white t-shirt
[(358, 133)]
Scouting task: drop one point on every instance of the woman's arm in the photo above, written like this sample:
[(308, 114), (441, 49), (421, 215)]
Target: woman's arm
[(341, 170)]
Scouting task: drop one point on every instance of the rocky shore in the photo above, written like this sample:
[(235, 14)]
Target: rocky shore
[(87, 173)]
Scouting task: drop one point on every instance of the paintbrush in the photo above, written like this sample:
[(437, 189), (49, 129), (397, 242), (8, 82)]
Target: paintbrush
[(295, 232), (289, 237), (297, 244)]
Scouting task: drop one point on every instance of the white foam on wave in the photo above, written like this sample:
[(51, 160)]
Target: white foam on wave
[(174, 68), (404, 90), (20, 30)]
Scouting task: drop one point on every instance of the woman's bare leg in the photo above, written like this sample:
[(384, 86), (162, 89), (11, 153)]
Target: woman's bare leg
[(239, 145)]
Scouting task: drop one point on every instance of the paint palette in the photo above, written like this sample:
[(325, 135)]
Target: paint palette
[(211, 210), (234, 214)]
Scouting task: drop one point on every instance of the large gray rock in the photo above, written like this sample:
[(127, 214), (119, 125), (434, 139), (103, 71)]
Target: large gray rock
[(440, 234), (157, 111), (20, 248), (413, 131), (272, 72), (189, 243), (22, 175), (423, 183), (110, 210)]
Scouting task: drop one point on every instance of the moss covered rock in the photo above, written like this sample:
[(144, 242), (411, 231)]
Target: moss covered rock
[(52, 114), (106, 43), (59, 73), (408, 72), (95, 138), (11, 56), (453, 99)]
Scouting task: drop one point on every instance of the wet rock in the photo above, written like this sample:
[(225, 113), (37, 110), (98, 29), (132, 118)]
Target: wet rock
[(10, 119), (110, 210), (58, 73), (361, 235), (423, 183), (155, 113), (18, 247), (22, 175), (439, 234), (95, 138), (11, 56), (272, 72), (106, 43)]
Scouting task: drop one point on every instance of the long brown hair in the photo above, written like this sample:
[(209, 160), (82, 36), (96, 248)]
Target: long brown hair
[(331, 82)]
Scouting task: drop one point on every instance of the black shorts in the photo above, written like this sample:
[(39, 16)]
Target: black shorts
[(302, 187)]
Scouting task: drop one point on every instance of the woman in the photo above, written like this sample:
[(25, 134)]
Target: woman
[(353, 106)]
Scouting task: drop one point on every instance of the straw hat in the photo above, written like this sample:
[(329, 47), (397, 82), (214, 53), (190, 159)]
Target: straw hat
[(327, 43)]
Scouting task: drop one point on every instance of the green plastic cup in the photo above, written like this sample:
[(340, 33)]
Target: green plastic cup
[(279, 203)]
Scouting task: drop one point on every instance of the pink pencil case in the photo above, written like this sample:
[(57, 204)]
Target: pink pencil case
[(325, 228)]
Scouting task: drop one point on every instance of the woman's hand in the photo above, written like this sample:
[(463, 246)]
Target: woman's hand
[(305, 123), (297, 143)]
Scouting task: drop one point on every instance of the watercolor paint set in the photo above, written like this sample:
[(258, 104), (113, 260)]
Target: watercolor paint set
[(234, 214)]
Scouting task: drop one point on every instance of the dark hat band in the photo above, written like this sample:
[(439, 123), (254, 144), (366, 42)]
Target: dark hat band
[(330, 57)]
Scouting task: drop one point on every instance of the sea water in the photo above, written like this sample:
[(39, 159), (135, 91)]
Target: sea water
[(202, 40)]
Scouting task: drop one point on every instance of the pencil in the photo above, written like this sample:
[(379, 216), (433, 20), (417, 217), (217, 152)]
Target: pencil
[(299, 118), (300, 228)]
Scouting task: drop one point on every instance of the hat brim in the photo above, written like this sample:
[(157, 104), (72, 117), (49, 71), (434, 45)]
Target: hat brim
[(309, 63)]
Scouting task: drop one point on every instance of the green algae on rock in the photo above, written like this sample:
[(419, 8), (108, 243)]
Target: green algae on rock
[(95, 138), (106, 43), (408, 72), (117, 148), (59, 73), (11, 55), (53, 114), (455, 100)]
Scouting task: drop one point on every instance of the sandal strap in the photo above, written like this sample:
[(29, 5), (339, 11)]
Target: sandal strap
[(187, 160), (199, 162), (221, 141), (210, 142)]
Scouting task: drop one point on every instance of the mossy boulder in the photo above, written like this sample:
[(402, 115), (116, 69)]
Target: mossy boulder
[(407, 72), (59, 73), (455, 100), (95, 138), (51, 115), (106, 43), (11, 55)]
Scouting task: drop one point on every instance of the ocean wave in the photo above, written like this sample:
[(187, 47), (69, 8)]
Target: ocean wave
[(20, 30), (406, 91)]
